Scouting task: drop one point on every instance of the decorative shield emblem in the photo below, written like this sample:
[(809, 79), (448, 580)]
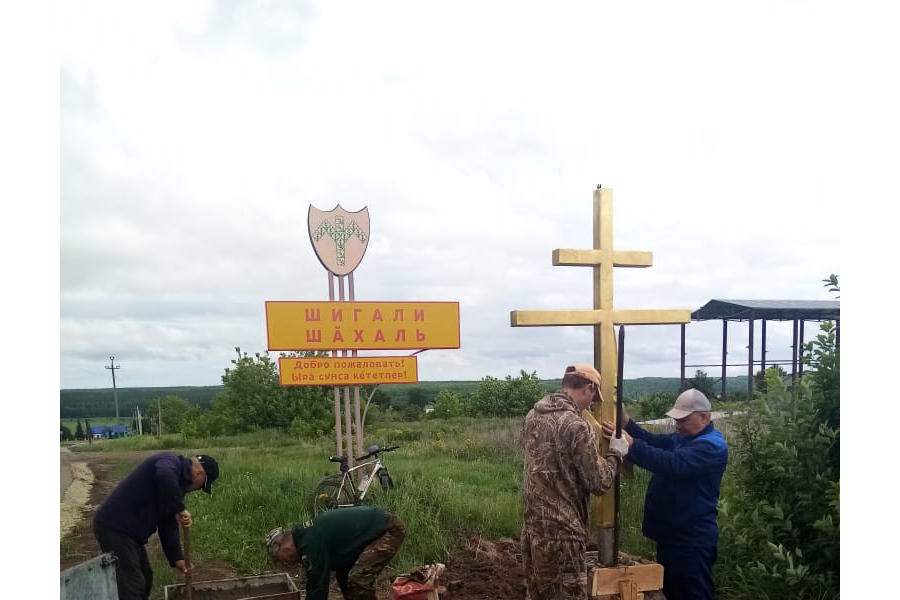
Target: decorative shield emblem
[(340, 238)]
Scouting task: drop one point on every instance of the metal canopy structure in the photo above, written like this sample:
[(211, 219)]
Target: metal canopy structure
[(798, 311), (771, 310)]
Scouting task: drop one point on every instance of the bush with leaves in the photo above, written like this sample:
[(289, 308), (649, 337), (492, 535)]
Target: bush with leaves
[(759, 380), (448, 404), (209, 423), (652, 406), (703, 382), (253, 398), (511, 397), (825, 354), (780, 510), (174, 411)]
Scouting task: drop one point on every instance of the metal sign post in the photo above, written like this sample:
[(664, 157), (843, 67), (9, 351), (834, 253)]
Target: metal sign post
[(340, 239)]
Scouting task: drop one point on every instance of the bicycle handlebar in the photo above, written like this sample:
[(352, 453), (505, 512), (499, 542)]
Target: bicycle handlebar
[(375, 451)]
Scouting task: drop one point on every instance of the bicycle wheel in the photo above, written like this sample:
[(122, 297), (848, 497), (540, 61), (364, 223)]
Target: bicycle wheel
[(385, 479), (329, 494)]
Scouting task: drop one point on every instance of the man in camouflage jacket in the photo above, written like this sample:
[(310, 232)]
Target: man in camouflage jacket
[(562, 470)]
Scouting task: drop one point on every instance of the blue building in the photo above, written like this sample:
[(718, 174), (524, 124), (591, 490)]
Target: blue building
[(99, 432)]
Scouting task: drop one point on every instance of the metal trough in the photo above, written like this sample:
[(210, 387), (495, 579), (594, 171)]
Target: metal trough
[(278, 586), (94, 579)]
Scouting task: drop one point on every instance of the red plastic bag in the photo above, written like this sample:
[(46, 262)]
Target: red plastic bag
[(419, 585), (412, 590)]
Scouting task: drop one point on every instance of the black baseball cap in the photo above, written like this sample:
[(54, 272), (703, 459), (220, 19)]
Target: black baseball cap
[(212, 471)]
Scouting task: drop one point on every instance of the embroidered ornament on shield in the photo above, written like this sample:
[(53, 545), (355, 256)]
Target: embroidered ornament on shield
[(339, 237)]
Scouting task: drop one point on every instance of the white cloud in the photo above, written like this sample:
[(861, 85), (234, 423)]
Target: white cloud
[(195, 137)]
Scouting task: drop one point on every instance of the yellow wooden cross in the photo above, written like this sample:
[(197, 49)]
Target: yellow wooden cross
[(602, 257)]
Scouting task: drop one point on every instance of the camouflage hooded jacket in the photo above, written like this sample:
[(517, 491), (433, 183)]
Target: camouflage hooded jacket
[(562, 469)]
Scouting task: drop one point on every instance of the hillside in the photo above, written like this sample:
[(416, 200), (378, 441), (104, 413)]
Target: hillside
[(100, 402)]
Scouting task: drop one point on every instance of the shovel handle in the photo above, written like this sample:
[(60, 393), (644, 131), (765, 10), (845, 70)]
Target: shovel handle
[(186, 534)]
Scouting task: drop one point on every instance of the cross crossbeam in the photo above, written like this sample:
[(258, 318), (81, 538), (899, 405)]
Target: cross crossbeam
[(588, 258), (539, 318)]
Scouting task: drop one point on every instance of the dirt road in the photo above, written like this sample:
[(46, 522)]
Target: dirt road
[(75, 481), (65, 471)]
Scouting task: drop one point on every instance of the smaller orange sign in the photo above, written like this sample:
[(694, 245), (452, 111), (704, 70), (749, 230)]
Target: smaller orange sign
[(348, 370)]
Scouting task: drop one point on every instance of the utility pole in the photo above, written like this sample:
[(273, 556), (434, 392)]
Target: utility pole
[(112, 367), (159, 425)]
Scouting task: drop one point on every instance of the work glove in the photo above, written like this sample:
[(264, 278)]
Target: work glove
[(618, 446)]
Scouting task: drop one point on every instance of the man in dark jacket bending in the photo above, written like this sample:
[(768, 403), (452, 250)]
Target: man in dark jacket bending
[(356, 543), (680, 508), (150, 498)]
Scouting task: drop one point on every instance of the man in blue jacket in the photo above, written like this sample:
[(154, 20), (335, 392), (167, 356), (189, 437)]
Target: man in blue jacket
[(680, 508), (150, 498)]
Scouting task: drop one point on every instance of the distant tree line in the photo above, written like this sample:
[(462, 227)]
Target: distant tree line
[(251, 397), (100, 402)]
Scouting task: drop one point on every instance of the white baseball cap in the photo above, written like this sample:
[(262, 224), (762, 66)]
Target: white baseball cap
[(689, 401)]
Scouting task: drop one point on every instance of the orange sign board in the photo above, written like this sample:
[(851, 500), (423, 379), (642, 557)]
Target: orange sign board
[(348, 370), (361, 325)]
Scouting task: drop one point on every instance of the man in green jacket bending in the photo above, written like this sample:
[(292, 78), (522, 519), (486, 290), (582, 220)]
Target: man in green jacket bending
[(356, 543)]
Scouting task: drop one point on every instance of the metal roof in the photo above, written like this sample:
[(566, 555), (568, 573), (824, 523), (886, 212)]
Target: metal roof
[(772, 310)]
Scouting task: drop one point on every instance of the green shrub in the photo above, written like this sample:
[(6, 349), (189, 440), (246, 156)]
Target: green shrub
[(780, 507), (653, 406), (507, 398), (448, 404), (386, 436)]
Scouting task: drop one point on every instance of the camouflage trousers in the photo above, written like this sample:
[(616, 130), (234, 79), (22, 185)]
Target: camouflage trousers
[(554, 570), (359, 582)]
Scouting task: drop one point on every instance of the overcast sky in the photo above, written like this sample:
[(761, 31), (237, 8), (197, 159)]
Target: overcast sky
[(194, 136)]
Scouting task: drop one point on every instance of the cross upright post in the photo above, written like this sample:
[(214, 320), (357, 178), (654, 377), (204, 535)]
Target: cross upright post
[(602, 258)]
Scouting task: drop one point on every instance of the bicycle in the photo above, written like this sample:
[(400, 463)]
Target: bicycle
[(339, 491)]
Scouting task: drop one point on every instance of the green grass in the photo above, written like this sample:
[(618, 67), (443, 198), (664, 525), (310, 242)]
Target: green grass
[(631, 512), (452, 479)]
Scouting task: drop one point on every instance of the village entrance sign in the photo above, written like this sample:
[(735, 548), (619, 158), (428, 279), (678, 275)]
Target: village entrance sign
[(344, 326)]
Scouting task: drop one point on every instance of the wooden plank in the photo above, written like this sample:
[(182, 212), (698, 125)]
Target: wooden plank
[(647, 577), (627, 589)]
